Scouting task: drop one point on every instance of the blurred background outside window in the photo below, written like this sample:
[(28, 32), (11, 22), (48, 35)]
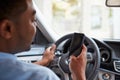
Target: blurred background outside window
[(91, 17)]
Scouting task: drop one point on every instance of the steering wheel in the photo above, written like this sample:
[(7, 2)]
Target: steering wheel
[(93, 56)]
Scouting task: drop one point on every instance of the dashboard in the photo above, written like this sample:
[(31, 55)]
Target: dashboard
[(110, 59)]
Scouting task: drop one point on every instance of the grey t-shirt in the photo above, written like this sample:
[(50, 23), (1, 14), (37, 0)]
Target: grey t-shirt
[(12, 69)]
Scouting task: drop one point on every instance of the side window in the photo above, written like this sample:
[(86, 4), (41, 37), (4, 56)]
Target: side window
[(40, 38)]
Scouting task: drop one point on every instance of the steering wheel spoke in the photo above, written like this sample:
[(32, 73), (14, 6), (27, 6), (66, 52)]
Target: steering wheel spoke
[(89, 57)]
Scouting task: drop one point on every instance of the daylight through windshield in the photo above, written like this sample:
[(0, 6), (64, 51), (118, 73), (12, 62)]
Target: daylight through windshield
[(93, 17)]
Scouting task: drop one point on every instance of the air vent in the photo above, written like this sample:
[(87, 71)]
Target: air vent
[(117, 66)]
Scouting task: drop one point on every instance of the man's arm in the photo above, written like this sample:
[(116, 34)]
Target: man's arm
[(78, 65)]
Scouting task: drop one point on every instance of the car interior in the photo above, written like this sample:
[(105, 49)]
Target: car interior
[(103, 54)]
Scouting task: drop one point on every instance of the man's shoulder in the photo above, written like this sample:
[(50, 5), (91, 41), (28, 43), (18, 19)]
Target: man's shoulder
[(27, 70), (42, 72), (39, 71)]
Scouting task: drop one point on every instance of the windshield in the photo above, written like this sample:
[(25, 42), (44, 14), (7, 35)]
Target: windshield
[(91, 17)]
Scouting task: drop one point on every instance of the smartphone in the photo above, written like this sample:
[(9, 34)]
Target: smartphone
[(76, 44)]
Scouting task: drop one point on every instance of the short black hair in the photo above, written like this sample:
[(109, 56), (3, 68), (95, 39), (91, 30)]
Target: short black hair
[(12, 9)]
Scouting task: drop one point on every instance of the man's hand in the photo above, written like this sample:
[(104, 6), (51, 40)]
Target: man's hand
[(48, 56), (78, 65)]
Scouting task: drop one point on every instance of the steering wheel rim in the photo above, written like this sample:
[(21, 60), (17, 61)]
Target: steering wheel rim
[(96, 56)]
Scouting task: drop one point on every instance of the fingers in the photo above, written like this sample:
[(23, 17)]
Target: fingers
[(72, 58), (84, 51), (82, 54), (49, 55), (84, 48), (53, 47), (50, 51)]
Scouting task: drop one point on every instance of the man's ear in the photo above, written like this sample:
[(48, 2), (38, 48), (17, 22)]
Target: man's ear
[(6, 27)]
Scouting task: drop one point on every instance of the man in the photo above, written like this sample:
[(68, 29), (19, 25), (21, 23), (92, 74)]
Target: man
[(17, 29)]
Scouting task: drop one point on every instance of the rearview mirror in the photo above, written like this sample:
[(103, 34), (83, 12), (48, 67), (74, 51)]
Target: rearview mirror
[(113, 3)]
